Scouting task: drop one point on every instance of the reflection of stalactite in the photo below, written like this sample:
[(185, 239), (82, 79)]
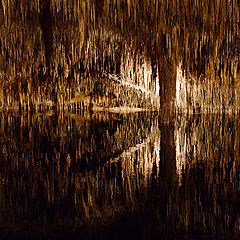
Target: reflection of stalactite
[(59, 151)]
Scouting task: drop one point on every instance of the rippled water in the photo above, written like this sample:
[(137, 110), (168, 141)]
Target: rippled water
[(119, 176)]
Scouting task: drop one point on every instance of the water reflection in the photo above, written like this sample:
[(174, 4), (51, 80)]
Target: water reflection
[(98, 171), (74, 168), (207, 156)]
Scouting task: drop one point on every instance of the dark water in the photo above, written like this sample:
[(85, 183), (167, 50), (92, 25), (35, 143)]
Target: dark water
[(118, 176)]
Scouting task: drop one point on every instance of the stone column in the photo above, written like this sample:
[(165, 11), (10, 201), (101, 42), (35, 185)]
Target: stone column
[(167, 78)]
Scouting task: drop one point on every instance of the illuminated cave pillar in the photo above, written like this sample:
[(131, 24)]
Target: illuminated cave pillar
[(167, 77)]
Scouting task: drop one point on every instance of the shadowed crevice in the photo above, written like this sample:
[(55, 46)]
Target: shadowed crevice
[(47, 31)]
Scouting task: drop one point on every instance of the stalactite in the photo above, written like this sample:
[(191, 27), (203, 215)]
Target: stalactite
[(76, 38)]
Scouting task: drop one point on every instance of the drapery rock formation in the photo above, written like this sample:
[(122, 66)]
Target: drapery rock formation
[(103, 54)]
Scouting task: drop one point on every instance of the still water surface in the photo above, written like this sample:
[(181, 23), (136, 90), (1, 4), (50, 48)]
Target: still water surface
[(123, 176)]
